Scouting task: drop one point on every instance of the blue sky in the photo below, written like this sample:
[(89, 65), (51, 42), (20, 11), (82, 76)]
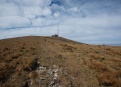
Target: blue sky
[(87, 21)]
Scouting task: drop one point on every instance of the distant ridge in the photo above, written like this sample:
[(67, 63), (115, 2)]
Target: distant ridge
[(115, 44)]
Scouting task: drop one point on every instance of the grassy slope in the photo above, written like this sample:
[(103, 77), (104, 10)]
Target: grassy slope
[(85, 65)]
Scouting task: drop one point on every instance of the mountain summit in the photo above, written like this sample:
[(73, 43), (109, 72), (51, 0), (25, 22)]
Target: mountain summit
[(35, 61)]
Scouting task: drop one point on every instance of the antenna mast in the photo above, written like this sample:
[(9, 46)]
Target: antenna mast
[(58, 30)]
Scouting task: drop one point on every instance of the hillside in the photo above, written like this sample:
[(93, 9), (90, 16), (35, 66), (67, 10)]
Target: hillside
[(35, 61)]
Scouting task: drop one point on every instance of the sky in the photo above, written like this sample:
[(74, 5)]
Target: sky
[(87, 21)]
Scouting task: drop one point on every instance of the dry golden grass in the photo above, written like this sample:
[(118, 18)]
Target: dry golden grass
[(81, 65)]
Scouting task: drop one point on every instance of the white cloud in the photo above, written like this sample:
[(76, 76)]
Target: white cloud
[(100, 21), (46, 11), (92, 29), (56, 14), (32, 11), (73, 9), (32, 3), (43, 22), (13, 22), (9, 9), (21, 13)]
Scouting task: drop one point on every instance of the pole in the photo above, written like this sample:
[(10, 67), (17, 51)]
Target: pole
[(58, 30)]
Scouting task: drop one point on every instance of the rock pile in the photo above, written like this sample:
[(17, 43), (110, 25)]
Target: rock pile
[(44, 74)]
